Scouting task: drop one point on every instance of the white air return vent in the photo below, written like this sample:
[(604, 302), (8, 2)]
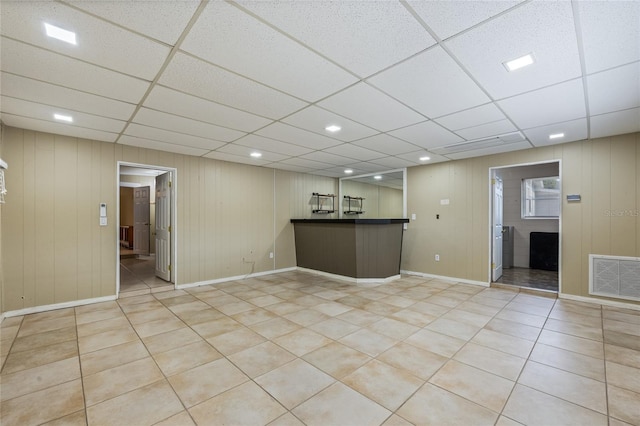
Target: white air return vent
[(614, 276), (491, 142)]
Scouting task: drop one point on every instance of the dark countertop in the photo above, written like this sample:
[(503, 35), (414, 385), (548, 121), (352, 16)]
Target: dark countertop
[(352, 221)]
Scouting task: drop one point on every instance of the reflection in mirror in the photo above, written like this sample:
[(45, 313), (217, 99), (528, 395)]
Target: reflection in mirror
[(373, 196)]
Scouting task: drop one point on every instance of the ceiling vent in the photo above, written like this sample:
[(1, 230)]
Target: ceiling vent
[(494, 141)]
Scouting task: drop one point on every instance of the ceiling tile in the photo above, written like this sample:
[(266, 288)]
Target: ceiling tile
[(614, 90), (426, 135), (447, 18), (325, 157), (615, 123), (610, 33), (471, 117), (489, 151), (153, 133), (50, 94), (563, 102), (339, 171), (415, 157), (316, 119), (574, 130), (490, 129), (364, 37), (56, 128), (97, 41), (309, 164), (272, 145), (394, 162), (161, 146), (184, 125), (431, 83), (367, 167), (201, 79), (354, 151), (244, 151), (386, 144), (171, 101), (286, 133), (228, 37), (544, 28), (223, 156), (291, 168), (329, 173), (165, 21), (369, 106), (45, 112)]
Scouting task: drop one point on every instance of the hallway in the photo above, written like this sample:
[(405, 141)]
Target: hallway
[(137, 276)]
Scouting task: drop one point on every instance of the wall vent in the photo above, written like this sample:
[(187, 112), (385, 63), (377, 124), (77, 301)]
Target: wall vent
[(614, 276), (491, 142)]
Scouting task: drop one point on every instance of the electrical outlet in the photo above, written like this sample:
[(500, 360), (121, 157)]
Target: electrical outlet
[(437, 258), (270, 255)]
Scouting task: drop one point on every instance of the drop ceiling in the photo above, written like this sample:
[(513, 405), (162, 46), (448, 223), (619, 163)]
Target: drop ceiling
[(404, 80)]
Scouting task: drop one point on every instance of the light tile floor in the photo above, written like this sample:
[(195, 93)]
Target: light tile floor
[(294, 348), (137, 276)]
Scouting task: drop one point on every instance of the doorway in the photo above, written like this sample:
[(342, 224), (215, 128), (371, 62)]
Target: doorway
[(146, 229), (525, 225)]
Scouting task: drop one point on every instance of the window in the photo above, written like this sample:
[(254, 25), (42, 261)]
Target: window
[(541, 197)]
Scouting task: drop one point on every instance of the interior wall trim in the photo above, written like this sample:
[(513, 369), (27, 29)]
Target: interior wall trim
[(599, 301), (445, 278), (364, 282), (53, 307), (235, 278)]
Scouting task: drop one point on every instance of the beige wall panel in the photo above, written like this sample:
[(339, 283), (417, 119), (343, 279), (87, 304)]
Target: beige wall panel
[(108, 234), (96, 230), (87, 218), (29, 260), (390, 203), (601, 195), (624, 180), (571, 260), (583, 187), (285, 253), (126, 206)]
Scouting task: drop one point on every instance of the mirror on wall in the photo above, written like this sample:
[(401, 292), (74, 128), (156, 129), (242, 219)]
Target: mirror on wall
[(373, 196)]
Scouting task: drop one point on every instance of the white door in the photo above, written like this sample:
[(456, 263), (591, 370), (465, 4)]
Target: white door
[(141, 220), (496, 264), (163, 226)]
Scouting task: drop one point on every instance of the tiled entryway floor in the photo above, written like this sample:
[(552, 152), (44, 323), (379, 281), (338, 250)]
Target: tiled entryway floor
[(293, 348)]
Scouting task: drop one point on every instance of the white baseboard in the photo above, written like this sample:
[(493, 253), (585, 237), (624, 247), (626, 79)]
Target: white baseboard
[(445, 278), (360, 281), (597, 301), (235, 278), (53, 307)]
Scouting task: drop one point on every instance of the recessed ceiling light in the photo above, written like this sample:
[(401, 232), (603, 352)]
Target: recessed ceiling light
[(556, 136), (520, 62), (256, 154), (61, 117), (348, 171), (333, 128), (60, 34), (425, 158), (377, 177)]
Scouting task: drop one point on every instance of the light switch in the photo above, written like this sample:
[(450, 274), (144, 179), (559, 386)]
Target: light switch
[(413, 216), (103, 221)]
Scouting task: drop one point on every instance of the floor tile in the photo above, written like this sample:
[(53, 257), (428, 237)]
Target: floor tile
[(340, 405), (574, 329), (437, 343), (396, 420), (254, 316), (170, 340), (623, 376), (623, 404), (622, 327), (235, 341), (43, 325), (106, 339), (246, 404), (360, 317), (419, 362), (40, 340), (620, 355), (302, 341), (186, 357), (17, 361), (35, 379), (432, 405), (522, 318), (506, 421), (628, 316), (453, 328), (294, 382), (275, 327), (183, 418), (336, 359), (334, 328), (483, 388), (393, 328), (384, 384), (491, 360), (95, 327), (524, 407), (192, 318), (306, 317), (418, 319), (368, 342), (622, 339), (332, 309), (465, 317), (580, 345), (79, 418), (569, 361), (515, 329), (216, 327), (261, 359)]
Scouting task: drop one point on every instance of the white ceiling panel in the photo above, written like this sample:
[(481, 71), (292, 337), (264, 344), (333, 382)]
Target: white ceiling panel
[(386, 144), (286, 133), (50, 94), (488, 151), (610, 33), (56, 128), (272, 145), (223, 156), (355, 152), (201, 79), (366, 167), (490, 129), (394, 162), (432, 83), (563, 102), (97, 41), (339, 171), (45, 112), (291, 168), (316, 119), (426, 135), (615, 89), (574, 130), (325, 157), (161, 146), (171, 101), (25, 60), (471, 117), (615, 123), (244, 151), (544, 28), (184, 125), (447, 18), (228, 37), (369, 106), (302, 162), (364, 37), (329, 173), (153, 133), (165, 21), (415, 157)]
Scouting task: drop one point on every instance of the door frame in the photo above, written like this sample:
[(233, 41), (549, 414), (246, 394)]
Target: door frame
[(174, 220), (490, 224)]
